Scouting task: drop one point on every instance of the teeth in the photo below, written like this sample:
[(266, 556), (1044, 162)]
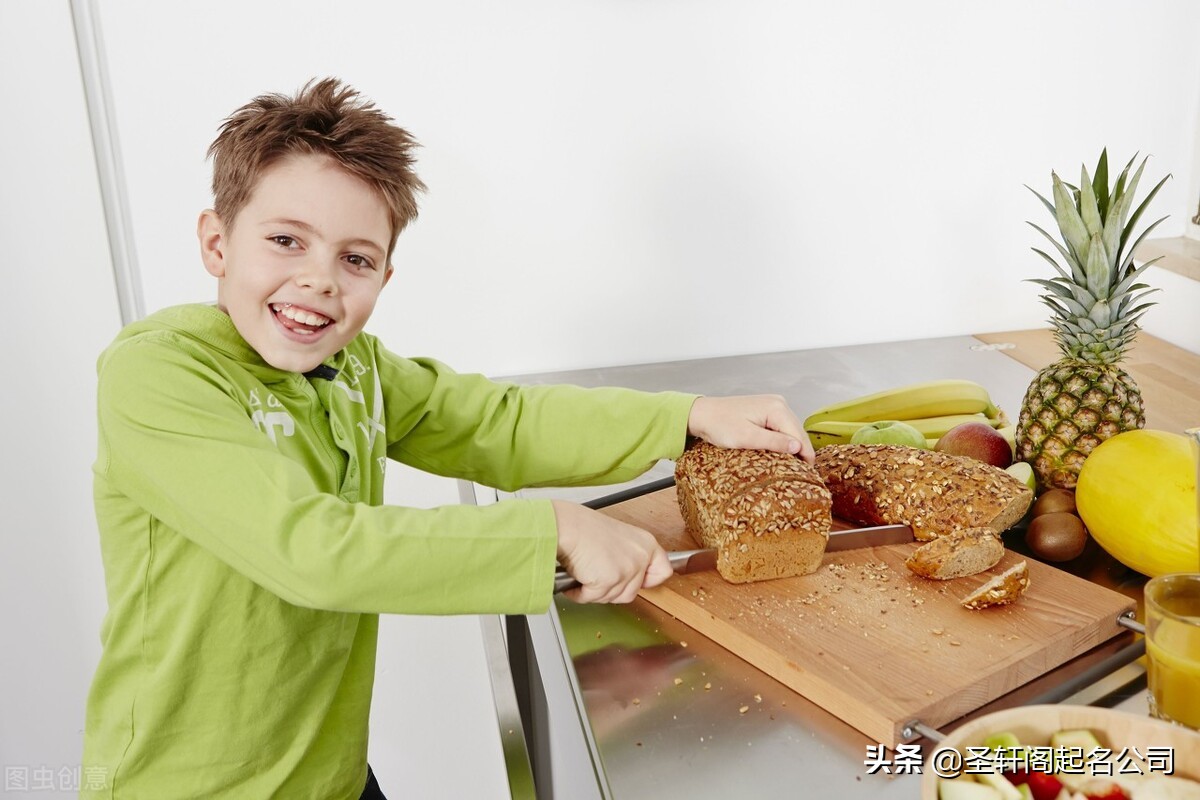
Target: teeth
[(300, 315)]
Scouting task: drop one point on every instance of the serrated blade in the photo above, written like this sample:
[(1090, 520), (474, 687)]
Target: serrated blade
[(875, 536)]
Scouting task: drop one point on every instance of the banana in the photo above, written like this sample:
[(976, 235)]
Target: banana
[(936, 427), (932, 428), (831, 432), (914, 401)]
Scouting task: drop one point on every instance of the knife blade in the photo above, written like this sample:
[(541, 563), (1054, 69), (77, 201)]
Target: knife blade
[(704, 559), (875, 536)]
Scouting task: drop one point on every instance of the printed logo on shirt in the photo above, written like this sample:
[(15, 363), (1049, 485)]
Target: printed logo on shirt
[(268, 421), (372, 426)]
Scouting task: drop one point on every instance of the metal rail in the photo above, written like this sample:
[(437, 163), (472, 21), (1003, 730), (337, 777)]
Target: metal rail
[(93, 68)]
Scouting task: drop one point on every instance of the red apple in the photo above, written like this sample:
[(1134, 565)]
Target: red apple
[(976, 440)]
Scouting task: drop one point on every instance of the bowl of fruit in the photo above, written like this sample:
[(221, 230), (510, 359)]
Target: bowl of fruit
[(1063, 752)]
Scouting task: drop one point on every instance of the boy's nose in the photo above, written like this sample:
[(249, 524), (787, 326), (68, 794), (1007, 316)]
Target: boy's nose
[(318, 276)]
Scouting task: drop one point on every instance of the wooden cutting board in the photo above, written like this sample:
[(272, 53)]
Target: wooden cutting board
[(872, 643)]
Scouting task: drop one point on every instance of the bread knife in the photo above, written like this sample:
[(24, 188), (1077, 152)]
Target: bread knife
[(874, 536), (702, 560), (682, 561)]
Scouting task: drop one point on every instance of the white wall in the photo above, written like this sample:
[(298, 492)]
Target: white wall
[(610, 183), (60, 309), (615, 182)]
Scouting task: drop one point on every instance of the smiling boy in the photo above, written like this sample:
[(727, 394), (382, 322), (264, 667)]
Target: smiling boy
[(239, 478), (296, 292)]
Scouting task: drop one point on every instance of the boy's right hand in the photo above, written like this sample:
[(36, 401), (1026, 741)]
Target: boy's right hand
[(611, 559)]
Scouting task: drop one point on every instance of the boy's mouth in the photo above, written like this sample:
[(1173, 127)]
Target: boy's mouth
[(298, 319)]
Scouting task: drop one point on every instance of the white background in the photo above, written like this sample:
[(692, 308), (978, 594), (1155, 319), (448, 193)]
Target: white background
[(610, 182)]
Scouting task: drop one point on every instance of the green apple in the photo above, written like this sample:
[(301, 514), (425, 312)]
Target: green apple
[(1080, 738), (889, 431), (1022, 472)]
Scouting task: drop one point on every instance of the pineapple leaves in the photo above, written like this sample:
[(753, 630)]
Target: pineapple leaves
[(1064, 301), (1097, 269), (1114, 225), (1076, 267), (1126, 285), (1097, 302), (1138, 213), (1053, 263), (1089, 210), (1100, 183), (1120, 187), (1074, 231), (1129, 254), (1045, 202)]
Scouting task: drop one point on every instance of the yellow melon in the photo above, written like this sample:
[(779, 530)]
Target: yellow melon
[(1137, 496)]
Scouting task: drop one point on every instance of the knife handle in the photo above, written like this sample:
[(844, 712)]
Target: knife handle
[(563, 581), (677, 558)]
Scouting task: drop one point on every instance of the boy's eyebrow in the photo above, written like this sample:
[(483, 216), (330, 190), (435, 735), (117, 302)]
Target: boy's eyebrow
[(304, 226)]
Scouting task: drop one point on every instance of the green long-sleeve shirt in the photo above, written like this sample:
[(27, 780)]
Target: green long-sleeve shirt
[(247, 552)]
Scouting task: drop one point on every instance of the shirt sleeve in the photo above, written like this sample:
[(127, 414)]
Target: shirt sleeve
[(512, 437), (177, 445)]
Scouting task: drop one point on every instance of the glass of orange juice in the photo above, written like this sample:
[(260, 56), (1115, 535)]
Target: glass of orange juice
[(1195, 434), (1173, 647)]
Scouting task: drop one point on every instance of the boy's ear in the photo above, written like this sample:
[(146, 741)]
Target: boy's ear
[(211, 233), (387, 275)]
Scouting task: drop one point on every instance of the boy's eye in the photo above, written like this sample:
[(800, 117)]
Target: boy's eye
[(359, 261), (283, 240)]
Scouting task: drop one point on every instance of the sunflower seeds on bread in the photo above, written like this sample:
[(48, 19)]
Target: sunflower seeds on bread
[(964, 552), (930, 492), (1001, 590), (767, 514)]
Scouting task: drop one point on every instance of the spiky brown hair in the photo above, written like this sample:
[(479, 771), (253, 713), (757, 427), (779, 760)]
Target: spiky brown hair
[(326, 117)]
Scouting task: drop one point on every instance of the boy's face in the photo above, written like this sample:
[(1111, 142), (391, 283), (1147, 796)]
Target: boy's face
[(302, 264)]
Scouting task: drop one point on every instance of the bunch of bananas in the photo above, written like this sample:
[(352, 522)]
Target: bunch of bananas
[(932, 407)]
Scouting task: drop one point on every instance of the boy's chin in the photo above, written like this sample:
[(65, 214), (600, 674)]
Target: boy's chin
[(289, 362)]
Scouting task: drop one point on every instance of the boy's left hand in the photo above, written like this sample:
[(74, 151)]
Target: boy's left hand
[(750, 422)]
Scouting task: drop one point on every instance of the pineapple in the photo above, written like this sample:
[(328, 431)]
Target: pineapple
[(1085, 397)]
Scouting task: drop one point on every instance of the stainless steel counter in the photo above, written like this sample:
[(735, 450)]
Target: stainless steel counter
[(626, 702)]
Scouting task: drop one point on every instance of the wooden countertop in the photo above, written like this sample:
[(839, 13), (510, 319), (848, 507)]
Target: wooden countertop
[(1168, 375)]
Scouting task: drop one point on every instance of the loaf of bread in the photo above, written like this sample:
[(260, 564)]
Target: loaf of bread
[(956, 555), (767, 514), (1002, 589), (933, 493)]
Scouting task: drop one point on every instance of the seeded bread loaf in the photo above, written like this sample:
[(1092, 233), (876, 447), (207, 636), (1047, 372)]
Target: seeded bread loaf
[(956, 555), (933, 493), (767, 514), (1001, 590)]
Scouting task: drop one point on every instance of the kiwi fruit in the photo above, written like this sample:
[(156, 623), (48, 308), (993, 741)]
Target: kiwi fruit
[(1056, 536), (1053, 501)]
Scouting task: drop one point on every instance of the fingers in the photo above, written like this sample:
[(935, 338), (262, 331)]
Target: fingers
[(622, 589), (756, 422), (659, 569), (611, 560)]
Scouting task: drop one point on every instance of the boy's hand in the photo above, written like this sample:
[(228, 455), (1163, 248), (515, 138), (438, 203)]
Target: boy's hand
[(751, 422), (612, 560)]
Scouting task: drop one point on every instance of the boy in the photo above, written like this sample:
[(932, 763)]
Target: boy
[(239, 476)]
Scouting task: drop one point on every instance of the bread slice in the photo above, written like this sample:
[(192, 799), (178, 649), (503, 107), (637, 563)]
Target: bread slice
[(767, 514), (964, 552), (1000, 590), (931, 492)]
